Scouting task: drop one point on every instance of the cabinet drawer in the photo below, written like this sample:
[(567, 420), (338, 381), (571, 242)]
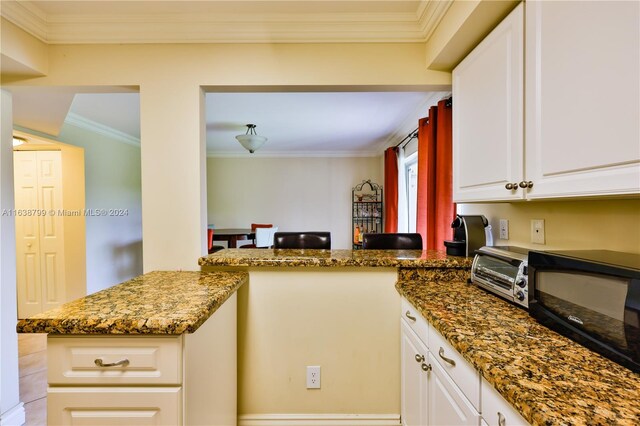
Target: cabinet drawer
[(114, 406), (151, 360), (415, 321), (462, 373), (498, 411)]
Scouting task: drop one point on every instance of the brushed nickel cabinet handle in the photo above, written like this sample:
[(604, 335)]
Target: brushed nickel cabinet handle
[(512, 186), (123, 363), (447, 360), (526, 184), (411, 317), (509, 186), (426, 367), (419, 358), (502, 421)]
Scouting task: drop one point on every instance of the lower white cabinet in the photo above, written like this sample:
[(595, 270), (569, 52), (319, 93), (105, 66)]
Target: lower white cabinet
[(114, 406), (496, 410), (108, 380), (447, 404), (413, 378)]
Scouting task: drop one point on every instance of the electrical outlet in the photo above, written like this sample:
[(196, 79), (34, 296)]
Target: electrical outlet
[(537, 231), (504, 229), (313, 377)]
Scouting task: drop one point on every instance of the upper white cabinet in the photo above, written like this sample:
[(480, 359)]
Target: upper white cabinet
[(488, 114), (583, 98), (581, 106)]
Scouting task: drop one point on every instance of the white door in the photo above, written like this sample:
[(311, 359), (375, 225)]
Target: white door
[(488, 116), (447, 404), (413, 379), (39, 231), (27, 234), (583, 98)]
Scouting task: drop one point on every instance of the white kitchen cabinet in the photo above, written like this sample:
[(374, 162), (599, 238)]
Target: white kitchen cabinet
[(582, 98), (162, 380), (488, 115), (429, 394), (496, 410), (447, 404), (581, 105), (413, 378)]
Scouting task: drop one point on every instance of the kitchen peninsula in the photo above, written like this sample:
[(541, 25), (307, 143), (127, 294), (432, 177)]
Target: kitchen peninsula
[(341, 309)]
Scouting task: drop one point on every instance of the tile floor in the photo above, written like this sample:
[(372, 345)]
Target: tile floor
[(32, 363)]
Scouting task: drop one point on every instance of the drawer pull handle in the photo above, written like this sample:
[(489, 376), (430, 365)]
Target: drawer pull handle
[(426, 367), (411, 317), (419, 358), (502, 421), (123, 362), (447, 360)]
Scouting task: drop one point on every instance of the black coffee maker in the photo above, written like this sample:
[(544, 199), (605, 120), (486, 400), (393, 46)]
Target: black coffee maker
[(468, 235)]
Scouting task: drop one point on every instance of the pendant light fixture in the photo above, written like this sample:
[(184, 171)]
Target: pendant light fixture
[(251, 140)]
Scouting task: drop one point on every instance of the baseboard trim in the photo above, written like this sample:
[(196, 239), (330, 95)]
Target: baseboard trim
[(13, 417), (319, 420)]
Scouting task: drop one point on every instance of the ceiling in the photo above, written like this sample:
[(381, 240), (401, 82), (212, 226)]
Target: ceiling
[(296, 124)]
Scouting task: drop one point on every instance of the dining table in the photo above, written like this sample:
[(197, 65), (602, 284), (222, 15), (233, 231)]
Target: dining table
[(232, 235)]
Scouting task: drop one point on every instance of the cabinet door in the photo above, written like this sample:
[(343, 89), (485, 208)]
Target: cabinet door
[(583, 98), (447, 404), (488, 116), (498, 411), (413, 379), (114, 406)]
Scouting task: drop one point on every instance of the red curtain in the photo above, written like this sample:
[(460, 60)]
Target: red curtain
[(391, 189), (435, 206)]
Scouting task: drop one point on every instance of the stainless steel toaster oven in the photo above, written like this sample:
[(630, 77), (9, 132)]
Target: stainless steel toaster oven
[(502, 270)]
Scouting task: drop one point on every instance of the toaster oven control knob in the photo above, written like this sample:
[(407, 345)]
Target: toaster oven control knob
[(521, 283), (520, 296)]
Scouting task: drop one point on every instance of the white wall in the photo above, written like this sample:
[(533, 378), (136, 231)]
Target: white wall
[(295, 194), (10, 407), (112, 181)]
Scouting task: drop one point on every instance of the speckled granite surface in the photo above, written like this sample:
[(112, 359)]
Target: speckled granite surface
[(548, 378), (334, 258), (154, 303)]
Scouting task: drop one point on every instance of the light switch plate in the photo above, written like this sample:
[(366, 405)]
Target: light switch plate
[(537, 231)]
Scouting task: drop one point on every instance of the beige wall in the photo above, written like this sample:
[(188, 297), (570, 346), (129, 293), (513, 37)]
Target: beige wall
[(579, 224), (295, 194), (346, 320)]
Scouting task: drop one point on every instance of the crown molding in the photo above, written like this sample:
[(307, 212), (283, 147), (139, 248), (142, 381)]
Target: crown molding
[(294, 154), (92, 126), (26, 16), (352, 27), (430, 13)]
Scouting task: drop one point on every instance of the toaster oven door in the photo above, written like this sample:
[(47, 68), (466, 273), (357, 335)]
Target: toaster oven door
[(495, 274)]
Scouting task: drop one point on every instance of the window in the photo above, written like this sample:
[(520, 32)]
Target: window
[(411, 185)]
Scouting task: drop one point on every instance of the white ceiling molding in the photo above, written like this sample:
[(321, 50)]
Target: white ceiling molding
[(293, 154), (92, 126), (27, 16), (430, 14), (227, 27)]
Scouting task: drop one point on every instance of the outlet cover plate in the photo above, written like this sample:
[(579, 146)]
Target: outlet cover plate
[(313, 377), (537, 231), (504, 229)]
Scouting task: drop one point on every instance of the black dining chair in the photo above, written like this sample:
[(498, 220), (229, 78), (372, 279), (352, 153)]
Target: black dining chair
[(392, 241), (302, 240)]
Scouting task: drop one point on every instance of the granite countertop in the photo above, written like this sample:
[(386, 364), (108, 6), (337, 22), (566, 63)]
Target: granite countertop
[(166, 303), (547, 377), (335, 258)]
